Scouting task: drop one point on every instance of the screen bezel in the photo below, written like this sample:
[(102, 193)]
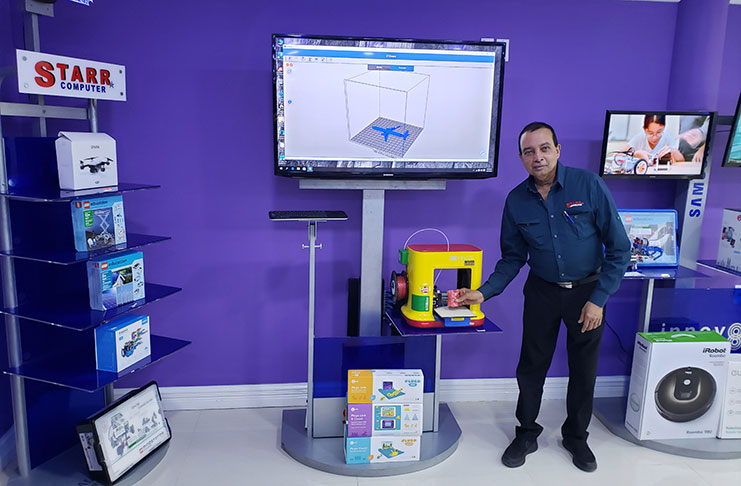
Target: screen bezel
[(365, 173), (734, 128), (98, 448), (708, 144)]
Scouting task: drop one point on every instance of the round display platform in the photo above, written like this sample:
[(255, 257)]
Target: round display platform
[(327, 454)]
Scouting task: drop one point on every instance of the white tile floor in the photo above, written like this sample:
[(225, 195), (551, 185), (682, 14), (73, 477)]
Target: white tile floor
[(241, 447)]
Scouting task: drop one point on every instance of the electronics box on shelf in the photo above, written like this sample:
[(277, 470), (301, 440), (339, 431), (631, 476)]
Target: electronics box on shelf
[(116, 280), (365, 450), (676, 385), (378, 419), (98, 222), (729, 248), (385, 386), (86, 160), (730, 414), (122, 342)]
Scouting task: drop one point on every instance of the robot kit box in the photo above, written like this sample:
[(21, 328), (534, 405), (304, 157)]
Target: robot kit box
[(677, 384), (730, 416), (86, 160), (385, 386), (98, 222), (122, 342), (116, 280), (372, 450), (729, 248), (378, 419)]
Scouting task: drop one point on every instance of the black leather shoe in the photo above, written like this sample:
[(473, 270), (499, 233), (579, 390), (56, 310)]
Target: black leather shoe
[(514, 454), (582, 455)]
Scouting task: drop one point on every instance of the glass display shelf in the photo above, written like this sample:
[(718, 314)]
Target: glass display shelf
[(80, 317), (81, 374), (715, 266), (664, 273), (397, 322), (61, 195), (67, 257)]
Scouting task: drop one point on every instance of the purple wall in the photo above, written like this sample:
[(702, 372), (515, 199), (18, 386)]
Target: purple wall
[(198, 121)]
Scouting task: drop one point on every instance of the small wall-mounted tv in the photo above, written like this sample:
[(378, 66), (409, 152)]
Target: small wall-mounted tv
[(656, 144), (733, 151), (359, 107)]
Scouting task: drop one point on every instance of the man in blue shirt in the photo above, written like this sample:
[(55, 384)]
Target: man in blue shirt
[(563, 222)]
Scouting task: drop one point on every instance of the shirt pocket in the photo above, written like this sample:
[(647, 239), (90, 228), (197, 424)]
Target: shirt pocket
[(584, 225), (534, 232)]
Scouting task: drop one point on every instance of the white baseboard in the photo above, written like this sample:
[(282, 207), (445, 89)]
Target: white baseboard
[(294, 394)]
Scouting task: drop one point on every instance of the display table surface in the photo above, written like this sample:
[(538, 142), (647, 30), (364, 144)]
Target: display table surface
[(327, 454), (61, 195), (715, 266), (404, 329), (69, 469), (611, 412), (664, 273)]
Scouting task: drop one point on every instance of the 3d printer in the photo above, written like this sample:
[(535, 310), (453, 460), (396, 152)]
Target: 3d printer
[(424, 305)]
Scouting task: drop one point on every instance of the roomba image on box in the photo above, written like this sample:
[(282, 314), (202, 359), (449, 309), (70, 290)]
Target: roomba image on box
[(685, 394)]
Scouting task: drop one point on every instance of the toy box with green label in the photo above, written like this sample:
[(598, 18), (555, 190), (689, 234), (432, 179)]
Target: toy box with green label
[(372, 450), (116, 280), (383, 419), (385, 386), (122, 342), (98, 222), (676, 385)]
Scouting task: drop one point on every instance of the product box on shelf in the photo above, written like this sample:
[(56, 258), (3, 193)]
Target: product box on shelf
[(730, 414), (115, 280), (378, 419), (676, 385), (86, 160), (122, 342), (729, 248), (385, 386), (371, 450), (98, 222)]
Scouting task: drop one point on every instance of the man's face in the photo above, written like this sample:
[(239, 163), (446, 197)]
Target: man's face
[(539, 155), (653, 133)]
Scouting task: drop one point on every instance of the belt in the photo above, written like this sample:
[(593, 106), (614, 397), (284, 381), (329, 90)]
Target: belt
[(576, 283)]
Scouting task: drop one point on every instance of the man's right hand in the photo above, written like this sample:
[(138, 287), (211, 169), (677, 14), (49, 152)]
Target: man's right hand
[(469, 297)]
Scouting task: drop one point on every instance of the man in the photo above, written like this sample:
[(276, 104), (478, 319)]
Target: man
[(560, 217)]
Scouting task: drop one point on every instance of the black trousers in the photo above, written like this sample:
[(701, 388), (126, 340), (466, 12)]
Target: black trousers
[(546, 305)]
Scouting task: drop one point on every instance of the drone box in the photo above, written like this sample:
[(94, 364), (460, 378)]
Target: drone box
[(730, 415), (98, 222), (372, 450), (378, 419), (385, 386), (676, 385), (122, 342), (86, 160), (116, 280), (729, 248)]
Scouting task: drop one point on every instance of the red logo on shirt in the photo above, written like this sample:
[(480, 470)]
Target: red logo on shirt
[(574, 204)]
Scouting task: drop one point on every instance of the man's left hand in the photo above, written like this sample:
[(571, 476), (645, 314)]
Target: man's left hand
[(591, 316)]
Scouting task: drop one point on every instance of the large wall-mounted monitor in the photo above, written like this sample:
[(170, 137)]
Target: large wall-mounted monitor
[(733, 151), (357, 107), (656, 144)]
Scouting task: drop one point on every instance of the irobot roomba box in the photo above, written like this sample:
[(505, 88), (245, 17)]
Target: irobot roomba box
[(676, 385)]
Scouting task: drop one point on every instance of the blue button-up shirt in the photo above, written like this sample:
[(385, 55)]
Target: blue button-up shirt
[(563, 236)]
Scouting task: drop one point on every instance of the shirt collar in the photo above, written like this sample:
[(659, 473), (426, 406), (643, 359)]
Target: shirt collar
[(560, 178)]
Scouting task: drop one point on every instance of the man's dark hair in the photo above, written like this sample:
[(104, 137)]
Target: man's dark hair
[(531, 127)]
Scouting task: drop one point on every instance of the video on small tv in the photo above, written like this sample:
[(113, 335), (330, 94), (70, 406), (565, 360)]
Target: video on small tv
[(656, 144), (733, 152)]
